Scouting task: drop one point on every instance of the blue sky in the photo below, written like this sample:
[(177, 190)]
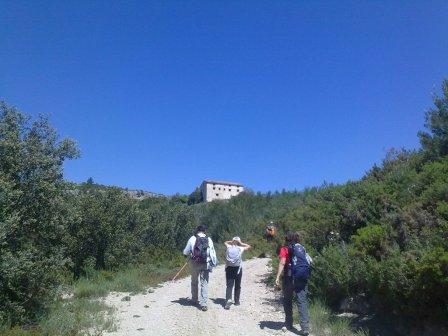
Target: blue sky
[(274, 94)]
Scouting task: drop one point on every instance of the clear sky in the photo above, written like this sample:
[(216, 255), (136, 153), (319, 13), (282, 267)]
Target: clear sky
[(274, 94)]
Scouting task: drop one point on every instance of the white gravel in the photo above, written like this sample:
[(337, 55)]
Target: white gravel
[(166, 311)]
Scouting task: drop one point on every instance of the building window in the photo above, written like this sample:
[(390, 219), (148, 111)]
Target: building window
[(217, 195), (237, 190), (214, 188), (219, 188)]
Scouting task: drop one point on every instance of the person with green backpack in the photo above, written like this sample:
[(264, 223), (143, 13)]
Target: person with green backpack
[(234, 272)]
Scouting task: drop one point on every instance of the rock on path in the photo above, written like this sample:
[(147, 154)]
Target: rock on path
[(167, 310)]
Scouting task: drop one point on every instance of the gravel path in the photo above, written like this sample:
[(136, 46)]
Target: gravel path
[(167, 310)]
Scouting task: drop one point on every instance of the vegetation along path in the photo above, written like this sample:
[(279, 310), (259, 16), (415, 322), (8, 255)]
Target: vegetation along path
[(167, 311)]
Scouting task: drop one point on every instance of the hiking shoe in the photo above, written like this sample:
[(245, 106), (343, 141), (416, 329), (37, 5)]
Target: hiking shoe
[(204, 308), (237, 303), (228, 304)]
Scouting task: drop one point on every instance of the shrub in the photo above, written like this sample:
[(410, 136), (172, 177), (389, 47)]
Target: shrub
[(332, 275), (324, 323), (391, 282), (372, 240), (78, 317), (319, 317), (88, 288), (340, 327), (431, 274), (17, 331)]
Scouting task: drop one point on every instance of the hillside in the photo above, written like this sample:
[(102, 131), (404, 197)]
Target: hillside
[(136, 194)]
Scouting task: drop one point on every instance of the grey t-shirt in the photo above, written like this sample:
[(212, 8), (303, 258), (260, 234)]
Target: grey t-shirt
[(240, 261)]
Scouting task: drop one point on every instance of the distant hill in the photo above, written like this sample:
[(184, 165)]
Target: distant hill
[(136, 194), (141, 194)]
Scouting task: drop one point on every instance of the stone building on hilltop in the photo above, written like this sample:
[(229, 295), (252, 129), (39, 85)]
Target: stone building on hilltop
[(219, 190)]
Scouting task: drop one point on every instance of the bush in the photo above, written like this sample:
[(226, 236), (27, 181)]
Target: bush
[(336, 274), (17, 331), (87, 288), (391, 283), (319, 317), (134, 279), (324, 323), (431, 274), (78, 317), (372, 240)]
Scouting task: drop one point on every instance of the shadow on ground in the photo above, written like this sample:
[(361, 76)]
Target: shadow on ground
[(185, 302), (273, 325), (219, 301), (276, 325), (277, 301)]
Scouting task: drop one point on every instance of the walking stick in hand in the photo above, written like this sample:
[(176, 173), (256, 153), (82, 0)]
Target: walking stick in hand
[(180, 271)]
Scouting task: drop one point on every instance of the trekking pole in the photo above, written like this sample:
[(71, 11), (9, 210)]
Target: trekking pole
[(180, 271)]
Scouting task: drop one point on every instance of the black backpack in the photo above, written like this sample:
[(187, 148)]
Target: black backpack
[(200, 250)]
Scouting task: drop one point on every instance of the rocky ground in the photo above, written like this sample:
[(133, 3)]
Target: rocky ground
[(167, 310)]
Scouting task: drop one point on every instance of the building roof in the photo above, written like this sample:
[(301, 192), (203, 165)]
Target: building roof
[(224, 182)]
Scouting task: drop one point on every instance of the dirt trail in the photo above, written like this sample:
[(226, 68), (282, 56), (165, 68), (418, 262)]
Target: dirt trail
[(167, 311)]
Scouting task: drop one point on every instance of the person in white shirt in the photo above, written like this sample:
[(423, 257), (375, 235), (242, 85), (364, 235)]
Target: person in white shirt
[(234, 272), (202, 255)]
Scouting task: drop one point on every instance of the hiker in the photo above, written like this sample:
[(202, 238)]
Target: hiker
[(202, 255), (234, 272), (295, 267), (270, 232)]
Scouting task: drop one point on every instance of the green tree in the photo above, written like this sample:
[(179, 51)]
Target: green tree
[(195, 197), (103, 236), (436, 141), (32, 213)]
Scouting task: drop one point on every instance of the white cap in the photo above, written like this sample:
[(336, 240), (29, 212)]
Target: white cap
[(238, 239)]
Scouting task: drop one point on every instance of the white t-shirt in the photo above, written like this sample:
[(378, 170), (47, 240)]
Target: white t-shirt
[(212, 260), (188, 250)]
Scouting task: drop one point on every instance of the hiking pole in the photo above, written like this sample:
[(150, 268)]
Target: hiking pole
[(180, 271)]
